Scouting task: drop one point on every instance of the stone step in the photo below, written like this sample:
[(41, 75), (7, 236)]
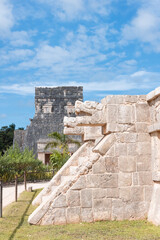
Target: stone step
[(49, 193), (82, 160), (65, 178), (73, 170)]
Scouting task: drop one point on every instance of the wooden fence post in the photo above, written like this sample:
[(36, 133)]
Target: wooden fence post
[(16, 187), (25, 181), (1, 198)]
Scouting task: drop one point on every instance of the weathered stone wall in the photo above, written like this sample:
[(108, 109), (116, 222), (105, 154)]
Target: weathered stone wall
[(114, 178), (51, 105), (19, 136), (153, 99)]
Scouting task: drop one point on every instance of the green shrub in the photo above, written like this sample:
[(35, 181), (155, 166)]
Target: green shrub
[(15, 162)]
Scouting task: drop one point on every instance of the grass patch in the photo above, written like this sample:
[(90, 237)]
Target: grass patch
[(14, 225)]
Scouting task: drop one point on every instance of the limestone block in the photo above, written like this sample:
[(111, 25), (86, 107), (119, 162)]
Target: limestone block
[(152, 113), (125, 193), (135, 210), (70, 122), (141, 127), (111, 164), (145, 178), (102, 215), (111, 152), (124, 179), (117, 209), (143, 137), (86, 215), (148, 193), (102, 204), (129, 211), (142, 112), (126, 137), (73, 215), (120, 149), (105, 144), (60, 202), (112, 113), (130, 98), (153, 94), (141, 209), (133, 114), (73, 198), (99, 166), (113, 99), (92, 133), (142, 98), (156, 176), (80, 184), (86, 198), (92, 181), (127, 163), (102, 209), (130, 137), (97, 119), (108, 180), (125, 127), (73, 131), (154, 127), (102, 180), (137, 194), (94, 157), (124, 114), (144, 162), (144, 148), (58, 217), (135, 178), (99, 193), (88, 107), (154, 210), (112, 193), (132, 149), (111, 127), (97, 140)]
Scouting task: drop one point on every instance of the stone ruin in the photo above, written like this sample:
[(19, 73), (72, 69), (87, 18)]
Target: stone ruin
[(51, 105), (115, 174)]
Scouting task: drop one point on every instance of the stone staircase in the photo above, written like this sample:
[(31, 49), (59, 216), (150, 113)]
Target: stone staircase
[(65, 174), (79, 164)]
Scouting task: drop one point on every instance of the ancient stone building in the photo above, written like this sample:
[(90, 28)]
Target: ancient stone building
[(115, 174), (51, 105)]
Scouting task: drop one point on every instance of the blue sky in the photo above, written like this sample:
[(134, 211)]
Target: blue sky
[(107, 46)]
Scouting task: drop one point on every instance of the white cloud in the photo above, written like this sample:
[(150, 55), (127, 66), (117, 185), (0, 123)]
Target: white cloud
[(14, 55), (78, 9), (3, 115), (145, 26), (139, 74), (20, 38), (19, 89), (80, 50), (6, 17), (137, 80)]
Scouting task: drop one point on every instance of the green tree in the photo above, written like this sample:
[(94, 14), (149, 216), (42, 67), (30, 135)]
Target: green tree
[(60, 145), (6, 137), (15, 163)]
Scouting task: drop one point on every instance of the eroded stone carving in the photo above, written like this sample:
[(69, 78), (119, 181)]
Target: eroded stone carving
[(111, 176)]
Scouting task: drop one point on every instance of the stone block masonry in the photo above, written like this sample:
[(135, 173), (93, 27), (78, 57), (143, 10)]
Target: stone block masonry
[(116, 171), (51, 105)]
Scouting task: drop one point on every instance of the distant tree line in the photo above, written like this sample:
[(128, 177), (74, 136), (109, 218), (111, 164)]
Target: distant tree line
[(6, 137)]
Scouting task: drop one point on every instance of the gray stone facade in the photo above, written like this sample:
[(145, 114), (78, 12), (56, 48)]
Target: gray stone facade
[(51, 105)]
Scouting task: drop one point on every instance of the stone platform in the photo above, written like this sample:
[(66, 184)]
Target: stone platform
[(113, 174)]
